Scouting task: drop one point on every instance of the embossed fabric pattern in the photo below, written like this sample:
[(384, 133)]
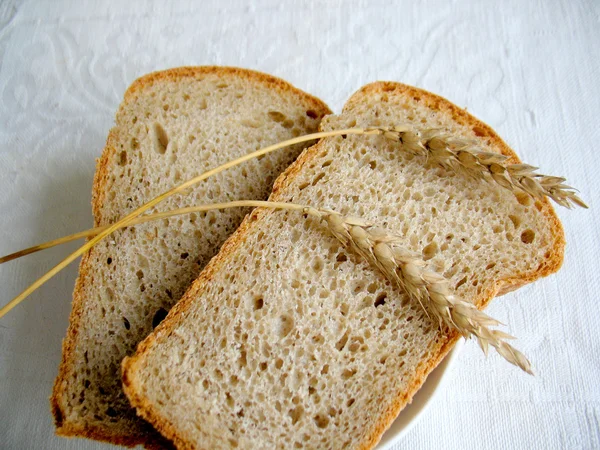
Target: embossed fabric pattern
[(528, 69)]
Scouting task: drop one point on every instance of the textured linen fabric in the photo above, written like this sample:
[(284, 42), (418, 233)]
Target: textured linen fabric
[(530, 69)]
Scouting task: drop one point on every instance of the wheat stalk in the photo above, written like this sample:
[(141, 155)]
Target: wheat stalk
[(408, 271), (129, 218), (451, 153), (464, 157)]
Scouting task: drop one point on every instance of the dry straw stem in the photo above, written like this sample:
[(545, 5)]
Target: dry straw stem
[(464, 157), (405, 269), (176, 190), (439, 148)]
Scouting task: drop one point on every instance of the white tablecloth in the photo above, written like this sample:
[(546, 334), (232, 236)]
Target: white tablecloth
[(531, 69)]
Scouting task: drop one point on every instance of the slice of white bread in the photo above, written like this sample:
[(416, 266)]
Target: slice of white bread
[(286, 340), (171, 126)]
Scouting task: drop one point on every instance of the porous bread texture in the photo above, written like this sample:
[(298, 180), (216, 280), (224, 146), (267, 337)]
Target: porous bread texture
[(286, 340), (171, 126)]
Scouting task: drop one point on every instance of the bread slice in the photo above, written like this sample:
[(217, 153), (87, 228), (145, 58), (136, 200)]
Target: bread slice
[(286, 340), (171, 126)]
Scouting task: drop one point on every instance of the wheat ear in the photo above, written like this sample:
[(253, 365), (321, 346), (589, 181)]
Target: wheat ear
[(464, 157), (408, 271)]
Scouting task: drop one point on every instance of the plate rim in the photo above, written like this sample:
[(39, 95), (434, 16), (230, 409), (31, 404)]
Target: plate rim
[(421, 401)]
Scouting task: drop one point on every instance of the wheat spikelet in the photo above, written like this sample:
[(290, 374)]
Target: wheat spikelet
[(464, 157), (408, 271)]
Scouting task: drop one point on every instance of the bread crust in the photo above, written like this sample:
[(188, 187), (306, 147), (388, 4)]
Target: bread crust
[(146, 409), (150, 439)]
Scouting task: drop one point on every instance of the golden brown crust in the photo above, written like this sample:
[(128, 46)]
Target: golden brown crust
[(554, 260), (64, 427)]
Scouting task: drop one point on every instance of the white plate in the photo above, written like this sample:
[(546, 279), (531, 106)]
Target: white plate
[(413, 412)]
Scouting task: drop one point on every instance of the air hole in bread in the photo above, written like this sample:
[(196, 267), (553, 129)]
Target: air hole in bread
[(123, 158), (284, 326), (109, 260), (462, 281), (258, 303), (318, 339), (527, 236), (317, 264), (523, 198), (243, 361), (276, 116), (288, 123), (348, 373), (161, 141), (310, 113), (380, 300), (321, 420), (159, 316), (317, 178), (126, 323), (516, 221), (340, 344), (344, 308), (429, 251), (229, 400)]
